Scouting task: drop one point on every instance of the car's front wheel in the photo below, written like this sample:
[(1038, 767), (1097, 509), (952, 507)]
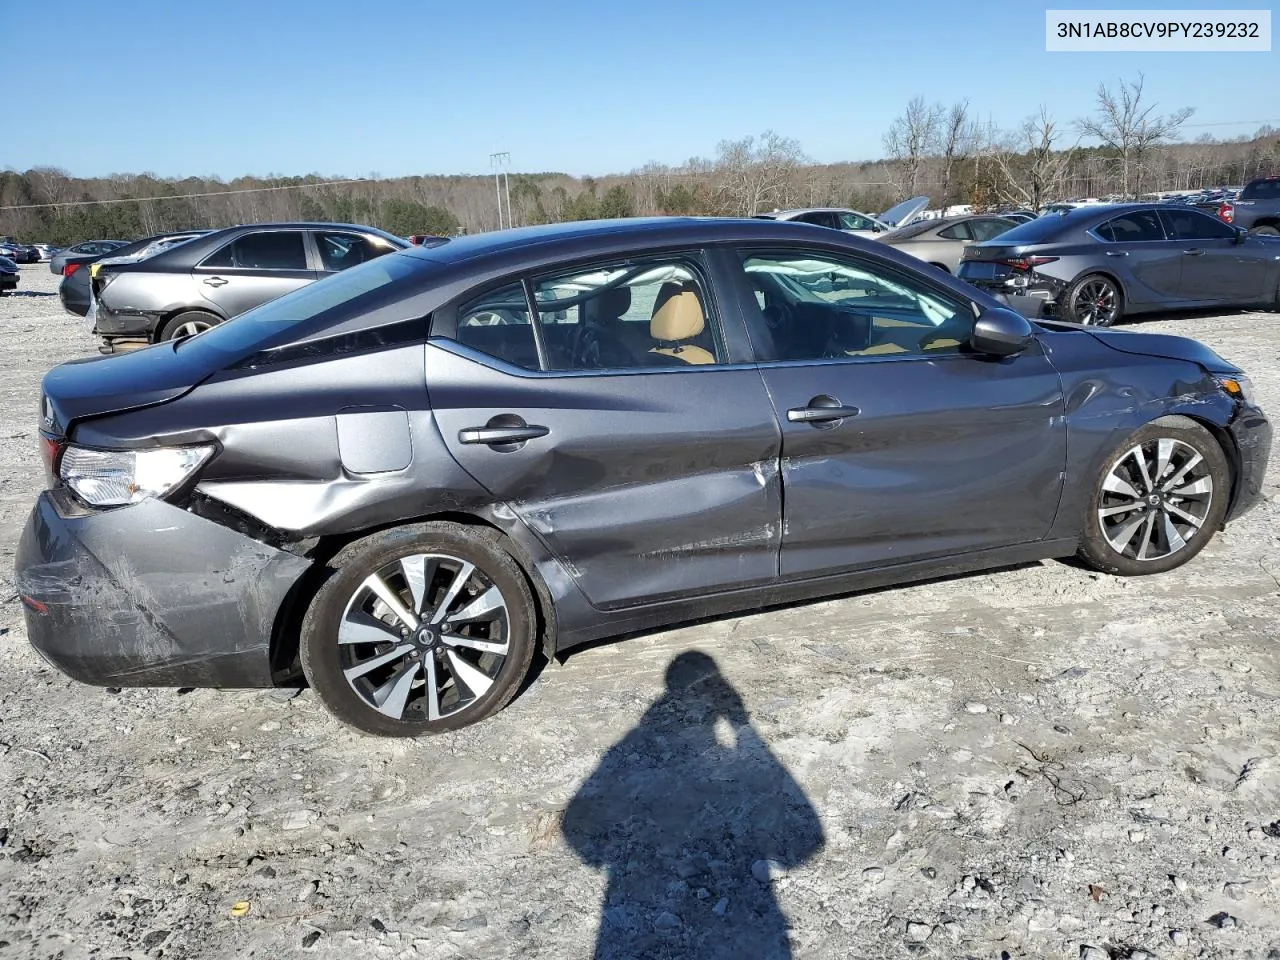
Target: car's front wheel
[(1095, 300), (1158, 500), (1266, 230), (420, 629)]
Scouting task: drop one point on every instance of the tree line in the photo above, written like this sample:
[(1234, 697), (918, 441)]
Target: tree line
[(942, 151)]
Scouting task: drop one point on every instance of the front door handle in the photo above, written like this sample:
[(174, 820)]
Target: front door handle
[(822, 409), (500, 435), (215, 281), (1117, 253), (1193, 253)]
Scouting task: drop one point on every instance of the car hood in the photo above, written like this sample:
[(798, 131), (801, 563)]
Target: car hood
[(1160, 345), (96, 386), (900, 215)]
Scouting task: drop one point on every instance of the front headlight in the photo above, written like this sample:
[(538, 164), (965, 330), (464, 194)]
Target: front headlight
[(1238, 386), (113, 478)]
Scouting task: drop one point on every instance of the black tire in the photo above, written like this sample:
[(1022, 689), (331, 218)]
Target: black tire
[(1097, 290), (181, 324), (1098, 551), (322, 655), (1266, 230), (940, 266)]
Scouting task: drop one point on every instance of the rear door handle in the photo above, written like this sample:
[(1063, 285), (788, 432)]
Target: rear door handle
[(1193, 253), (215, 281), (498, 435), (820, 414), (1117, 253)]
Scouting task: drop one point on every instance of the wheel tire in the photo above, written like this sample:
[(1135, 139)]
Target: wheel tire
[(1098, 551), (1103, 288), (179, 326), (1266, 230), (323, 657), (940, 266)]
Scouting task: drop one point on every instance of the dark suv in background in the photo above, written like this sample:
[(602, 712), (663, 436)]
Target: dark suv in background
[(1256, 209), (199, 284)]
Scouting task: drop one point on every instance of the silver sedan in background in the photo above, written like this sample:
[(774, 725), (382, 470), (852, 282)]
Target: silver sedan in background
[(941, 242)]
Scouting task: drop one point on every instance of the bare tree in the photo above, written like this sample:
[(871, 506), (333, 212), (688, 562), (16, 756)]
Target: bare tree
[(911, 138), (751, 174), (957, 140), (1028, 167), (1125, 124)]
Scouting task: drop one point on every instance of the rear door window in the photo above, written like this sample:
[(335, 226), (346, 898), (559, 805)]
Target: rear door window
[(496, 323), (1136, 227), (988, 229), (270, 250), (1192, 225)]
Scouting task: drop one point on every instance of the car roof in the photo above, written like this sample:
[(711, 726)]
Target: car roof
[(797, 210), (563, 239)]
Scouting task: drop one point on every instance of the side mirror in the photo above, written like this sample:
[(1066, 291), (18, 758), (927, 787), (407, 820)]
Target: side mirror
[(1241, 234), (1001, 332)]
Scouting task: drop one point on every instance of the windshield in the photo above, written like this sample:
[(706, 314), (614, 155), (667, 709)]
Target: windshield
[(329, 300)]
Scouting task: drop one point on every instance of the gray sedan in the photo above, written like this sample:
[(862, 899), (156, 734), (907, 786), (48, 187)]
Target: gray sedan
[(89, 248), (941, 242)]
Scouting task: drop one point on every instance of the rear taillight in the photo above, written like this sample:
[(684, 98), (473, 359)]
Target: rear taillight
[(70, 268), (51, 448), (1026, 263), (1227, 212)]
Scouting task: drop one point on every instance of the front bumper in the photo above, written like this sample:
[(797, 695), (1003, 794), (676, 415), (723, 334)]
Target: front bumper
[(150, 595), (1251, 432)]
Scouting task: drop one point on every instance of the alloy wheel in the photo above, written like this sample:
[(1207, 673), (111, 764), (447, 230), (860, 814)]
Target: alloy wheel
[(1155, 499), (190, 329), (1096, 303), (424, 637)]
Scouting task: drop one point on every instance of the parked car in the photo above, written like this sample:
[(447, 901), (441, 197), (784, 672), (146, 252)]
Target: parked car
[(19, 252), (46, 251), (431, 465), (1097, 264), (426, 239), (940, 243), (91, 248), (74, 291), (8, 276), (196, 285), (1256, 209), (1018, 216), (851, 221)]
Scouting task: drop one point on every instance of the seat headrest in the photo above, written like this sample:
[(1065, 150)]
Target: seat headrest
[(611, 304), (677, 313)]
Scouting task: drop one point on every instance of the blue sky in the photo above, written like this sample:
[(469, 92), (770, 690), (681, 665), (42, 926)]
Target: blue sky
[(401, 87)]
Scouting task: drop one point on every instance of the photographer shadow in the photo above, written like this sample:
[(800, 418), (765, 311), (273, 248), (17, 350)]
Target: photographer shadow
[(691, 816)]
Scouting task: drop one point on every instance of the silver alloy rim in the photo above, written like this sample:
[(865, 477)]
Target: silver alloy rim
[(1096, 303), (1155, 499), (191, 328), (424, 637)]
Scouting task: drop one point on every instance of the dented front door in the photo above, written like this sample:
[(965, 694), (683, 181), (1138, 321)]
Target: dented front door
[(647, 485)]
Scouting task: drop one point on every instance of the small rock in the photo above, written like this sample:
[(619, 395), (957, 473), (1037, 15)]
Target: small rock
[(308, 888), (1179, 937), (1006, 719), (267, 873), (974, 707), (1224, 921), (270, 726), (378, 925), (967, 882), (1231, 853), (300, 820), (471, 923), (154, 939), (1180, 884), (283, 694), (1140, 954), (919, 932), (721, 906), (765, 870), (666, 920), (686, 869), (929, 873), (1234, 890), (1088, 952), (873, 874), (310, 939), (1137, 836)]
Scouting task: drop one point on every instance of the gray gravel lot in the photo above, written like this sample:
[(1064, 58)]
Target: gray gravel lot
[(1036, 762)]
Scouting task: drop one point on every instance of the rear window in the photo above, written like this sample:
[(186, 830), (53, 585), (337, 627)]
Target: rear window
[(911, 230), (1261, 190), (310, 309), (1048, 227)]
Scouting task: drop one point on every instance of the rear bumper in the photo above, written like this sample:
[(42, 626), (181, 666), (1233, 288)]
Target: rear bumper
[(150, 595), (1251, 432), (8, 281)]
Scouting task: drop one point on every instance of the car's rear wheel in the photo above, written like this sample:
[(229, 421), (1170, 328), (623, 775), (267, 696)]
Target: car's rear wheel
[(188, 324), (1266, 230), (1094, 300), (1157, 502), (420, 629)]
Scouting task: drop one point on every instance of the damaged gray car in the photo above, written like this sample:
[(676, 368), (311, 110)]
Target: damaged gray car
[(405, 481)]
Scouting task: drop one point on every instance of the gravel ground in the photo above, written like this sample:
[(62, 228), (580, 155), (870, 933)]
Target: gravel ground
[(1036, 762)]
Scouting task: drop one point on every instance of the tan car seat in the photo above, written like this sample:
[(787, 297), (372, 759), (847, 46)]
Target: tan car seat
[(677, 318)]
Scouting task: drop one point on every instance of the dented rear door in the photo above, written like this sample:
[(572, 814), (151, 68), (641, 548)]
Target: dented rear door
[(648, 484)]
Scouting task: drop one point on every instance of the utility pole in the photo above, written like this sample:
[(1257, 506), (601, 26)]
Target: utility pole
[(500, 163)]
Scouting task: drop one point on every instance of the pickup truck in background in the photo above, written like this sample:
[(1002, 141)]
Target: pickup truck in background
[(1257, 208)]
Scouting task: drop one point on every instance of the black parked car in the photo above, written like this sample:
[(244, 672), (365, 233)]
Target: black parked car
[(74, 289), (189, 288), (407, 477), (8, 276), (1096, 264)]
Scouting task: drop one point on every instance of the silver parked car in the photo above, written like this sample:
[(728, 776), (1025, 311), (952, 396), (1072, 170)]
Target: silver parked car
[(941, 242), (851, 221), (192, 286)]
